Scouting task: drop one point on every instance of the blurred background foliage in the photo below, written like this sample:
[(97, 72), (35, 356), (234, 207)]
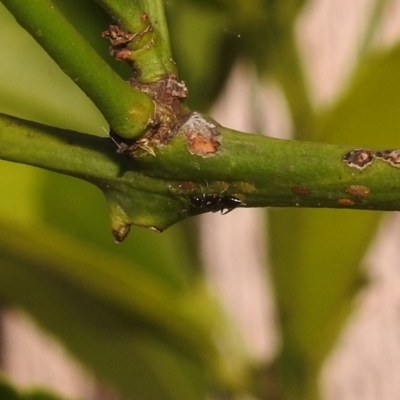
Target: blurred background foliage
[(10, 393), (123, 338)]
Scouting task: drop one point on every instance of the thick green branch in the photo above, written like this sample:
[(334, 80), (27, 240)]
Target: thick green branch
[(149, 47), (255, 171), (127, 110), (267, 172)]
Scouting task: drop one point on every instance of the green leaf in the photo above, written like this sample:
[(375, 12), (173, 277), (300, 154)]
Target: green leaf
[(20, 201), (7, 392), (39, 395), (90, 20), (45, 94), (316, 254), (368, 112), (132, 329), (88, 300), (202, 49)]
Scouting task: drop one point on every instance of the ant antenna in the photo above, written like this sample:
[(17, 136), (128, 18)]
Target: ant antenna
[(122, 147)]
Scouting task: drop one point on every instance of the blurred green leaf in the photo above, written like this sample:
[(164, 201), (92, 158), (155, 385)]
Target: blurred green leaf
[(208, 36), (83, 296), (368, 111), (43, 93), (20, 186), (39, 395), (317, 279), (8, 392), (80, 209), (202, 47), (133, 329), (90, 20)]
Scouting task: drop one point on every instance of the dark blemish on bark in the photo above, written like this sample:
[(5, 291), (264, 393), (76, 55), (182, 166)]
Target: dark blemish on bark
[(346, 202), (301, 190), (121, 232), (359, 158), (390, 156), (358, 191), (117, 36), (202, 135)]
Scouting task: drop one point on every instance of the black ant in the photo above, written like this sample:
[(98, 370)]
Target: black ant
[(215, 202), (208, 202)]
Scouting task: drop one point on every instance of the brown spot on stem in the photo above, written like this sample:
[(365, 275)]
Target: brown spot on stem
[(358, 191), (123, 54), (301, 190), (202, 145), (122, 41), (390, 156), (346, 202), (187, 185), (244, 187), (144, 17), (359, 158), (117, 36), (201, 134)]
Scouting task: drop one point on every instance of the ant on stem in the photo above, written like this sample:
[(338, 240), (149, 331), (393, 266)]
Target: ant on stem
[(215, 202)]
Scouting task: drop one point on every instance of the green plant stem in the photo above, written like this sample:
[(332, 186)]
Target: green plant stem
[(127, 110), (261, 171), (152, 53), (270, 172)]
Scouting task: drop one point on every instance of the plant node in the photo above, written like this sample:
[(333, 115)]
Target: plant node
[(168, 95), (124, 43)]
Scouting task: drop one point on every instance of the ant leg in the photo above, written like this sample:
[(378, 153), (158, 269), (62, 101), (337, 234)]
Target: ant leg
[(121, 147)]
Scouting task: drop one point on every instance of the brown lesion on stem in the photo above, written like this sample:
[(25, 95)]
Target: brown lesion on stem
[(390, 156), (346, 202), (301, 190), (359, 158), (358, 191), (167, 93), (202, 135), (363, 158), (125, 43)]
